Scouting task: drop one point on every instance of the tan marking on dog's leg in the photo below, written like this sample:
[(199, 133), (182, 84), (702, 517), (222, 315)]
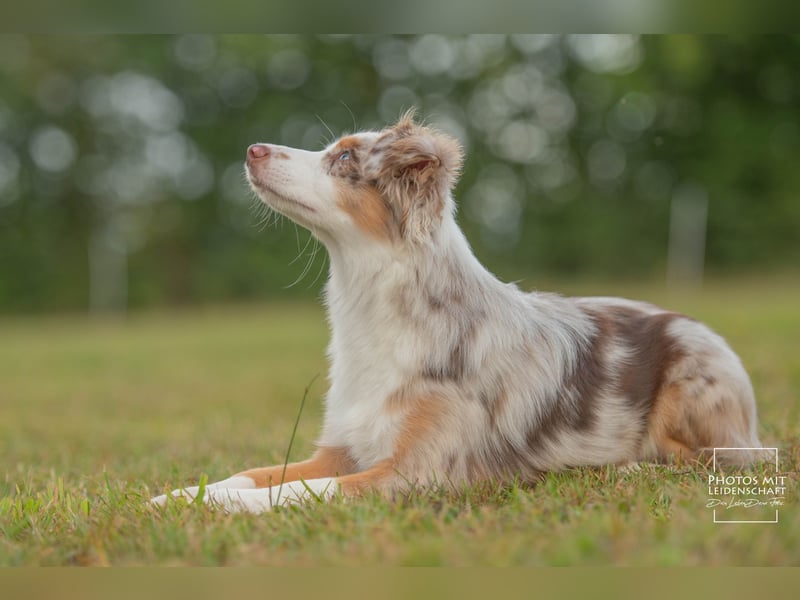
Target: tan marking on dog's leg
[(326, 462), (693, 414), (667, 426), (676, 451), (375, 478), (423, 414)]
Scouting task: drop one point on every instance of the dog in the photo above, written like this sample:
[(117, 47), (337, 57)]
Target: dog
[(439, 372)]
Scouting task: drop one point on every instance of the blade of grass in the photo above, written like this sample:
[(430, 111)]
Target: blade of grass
[(201, 489), (294, 433)]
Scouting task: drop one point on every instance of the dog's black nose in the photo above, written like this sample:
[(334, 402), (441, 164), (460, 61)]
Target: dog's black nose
[(258, 151)]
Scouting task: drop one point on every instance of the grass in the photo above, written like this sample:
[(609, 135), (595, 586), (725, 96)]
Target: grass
[(97, 416)]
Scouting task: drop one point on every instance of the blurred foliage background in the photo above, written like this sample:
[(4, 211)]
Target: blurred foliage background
[(618, 156)]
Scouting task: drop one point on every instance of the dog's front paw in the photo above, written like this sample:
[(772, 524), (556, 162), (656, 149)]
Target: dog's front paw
[(188, 494), (237, 482), (227, 499)]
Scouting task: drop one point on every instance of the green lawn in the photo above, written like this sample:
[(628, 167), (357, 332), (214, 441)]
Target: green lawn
[(96, 416)]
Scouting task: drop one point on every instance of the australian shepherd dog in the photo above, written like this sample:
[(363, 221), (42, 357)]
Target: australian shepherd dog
[(439, 372)]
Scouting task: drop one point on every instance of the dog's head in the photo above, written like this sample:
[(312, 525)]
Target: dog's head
[(388, 186)]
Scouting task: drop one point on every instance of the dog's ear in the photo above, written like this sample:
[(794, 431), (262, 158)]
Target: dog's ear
[(422, 155), (418, 168)]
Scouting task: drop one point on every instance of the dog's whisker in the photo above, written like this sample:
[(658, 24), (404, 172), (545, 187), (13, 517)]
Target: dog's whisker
[(352, 116), (301, 252), (311, 256), (322, 266), (326, 141), (264, 216)]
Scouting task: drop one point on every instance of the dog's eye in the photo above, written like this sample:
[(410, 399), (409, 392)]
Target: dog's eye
[(344, 155)]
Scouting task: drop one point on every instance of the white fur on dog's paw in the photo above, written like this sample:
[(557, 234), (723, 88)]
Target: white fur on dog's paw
[(234, 497), (190, 493), (265, 499)]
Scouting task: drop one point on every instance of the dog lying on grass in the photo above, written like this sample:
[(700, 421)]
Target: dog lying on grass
[(442, 373)]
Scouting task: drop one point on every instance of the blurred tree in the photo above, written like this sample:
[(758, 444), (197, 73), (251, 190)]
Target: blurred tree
[(121, 156)]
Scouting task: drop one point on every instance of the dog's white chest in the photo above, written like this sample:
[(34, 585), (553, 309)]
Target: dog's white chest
[(372, 355)]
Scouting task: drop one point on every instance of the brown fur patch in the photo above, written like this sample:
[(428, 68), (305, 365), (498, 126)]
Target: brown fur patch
[(590, 377), (453, 294), (366, 208), (455, 366), (347, 143), (326, 462), (652, 351), (418, 168), (494, 403), (672, 420), (665, 413), (643, 380), (575, 406), (675, 450), (668, 429), (655, 352), (371, 479), (423, 415)]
